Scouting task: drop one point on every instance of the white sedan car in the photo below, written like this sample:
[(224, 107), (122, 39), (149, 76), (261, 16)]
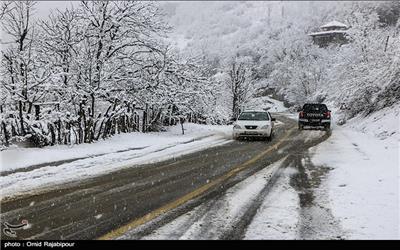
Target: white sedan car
[(254, 123)]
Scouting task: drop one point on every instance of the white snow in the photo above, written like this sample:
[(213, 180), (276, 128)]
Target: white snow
[(382, 124), (328, 32), (278, 216), (334, 24), (267, 103), (157, 147), (15, 158), (364, 185)]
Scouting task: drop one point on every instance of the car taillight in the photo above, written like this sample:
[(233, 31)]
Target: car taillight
[(301, 114), (327, 114)]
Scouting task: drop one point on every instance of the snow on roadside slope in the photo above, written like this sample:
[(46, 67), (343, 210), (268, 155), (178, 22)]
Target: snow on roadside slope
[(364, 184), (382, 124), (15, 158), (266, 102), (158, 147)]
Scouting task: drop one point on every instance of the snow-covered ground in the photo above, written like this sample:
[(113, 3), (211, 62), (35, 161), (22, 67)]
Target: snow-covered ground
[(360, 194), (267, 103), (15, 157), (88, 160), (364, 183), (278, 216)]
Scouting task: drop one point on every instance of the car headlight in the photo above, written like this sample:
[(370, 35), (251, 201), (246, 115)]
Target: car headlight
[(265, 127), (236, 127)]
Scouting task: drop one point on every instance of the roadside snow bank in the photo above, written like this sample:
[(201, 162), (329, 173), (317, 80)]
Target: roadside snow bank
[(122, 151), (364, 185), (382, 124), (267, 103), (15, 158)]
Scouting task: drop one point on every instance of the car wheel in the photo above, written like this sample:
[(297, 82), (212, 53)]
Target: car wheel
[(269, 137), (327, 127)]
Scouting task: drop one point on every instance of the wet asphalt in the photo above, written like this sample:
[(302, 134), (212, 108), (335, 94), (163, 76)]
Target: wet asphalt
[(91, 208)]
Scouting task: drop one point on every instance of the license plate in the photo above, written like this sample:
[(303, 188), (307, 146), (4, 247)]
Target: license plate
[(315, 120), (250, 133)]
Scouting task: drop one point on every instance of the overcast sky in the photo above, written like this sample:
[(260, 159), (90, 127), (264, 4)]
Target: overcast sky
[(42, 10), (43, 7)]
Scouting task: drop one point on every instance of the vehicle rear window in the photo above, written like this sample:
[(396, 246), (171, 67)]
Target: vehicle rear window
[(315, 107), (254, 116)]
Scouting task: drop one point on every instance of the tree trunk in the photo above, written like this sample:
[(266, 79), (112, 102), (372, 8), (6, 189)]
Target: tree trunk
[(101, 127), (92, 107), (234, 106), (6, 137), (37, 112), (52, 133), (181, 119), (144, 119), (59, 131), (30, 104), (13, 130), (21, 118)]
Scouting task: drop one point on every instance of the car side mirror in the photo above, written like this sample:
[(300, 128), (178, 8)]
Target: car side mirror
[(273, 119)]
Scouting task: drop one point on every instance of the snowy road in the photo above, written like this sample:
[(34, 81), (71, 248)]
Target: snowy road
[(150, 196), (277, 202)]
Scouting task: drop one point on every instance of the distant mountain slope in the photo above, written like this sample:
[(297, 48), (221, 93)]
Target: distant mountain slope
[(274, 35)]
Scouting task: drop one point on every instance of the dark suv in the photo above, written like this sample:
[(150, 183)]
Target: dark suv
[(315, 115)]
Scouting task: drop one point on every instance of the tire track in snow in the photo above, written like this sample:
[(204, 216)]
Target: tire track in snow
[(218, 223)]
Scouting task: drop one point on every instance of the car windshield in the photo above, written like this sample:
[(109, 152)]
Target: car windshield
[(254, 116), (315, 107)]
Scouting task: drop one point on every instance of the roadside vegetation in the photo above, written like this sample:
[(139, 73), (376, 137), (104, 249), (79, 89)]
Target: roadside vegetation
[(91, 71)]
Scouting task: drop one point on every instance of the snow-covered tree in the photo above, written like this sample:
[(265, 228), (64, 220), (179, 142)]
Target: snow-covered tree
[(22, 80), (239, 81)]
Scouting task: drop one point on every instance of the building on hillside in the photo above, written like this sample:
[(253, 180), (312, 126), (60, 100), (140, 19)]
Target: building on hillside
[(331, 33)]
